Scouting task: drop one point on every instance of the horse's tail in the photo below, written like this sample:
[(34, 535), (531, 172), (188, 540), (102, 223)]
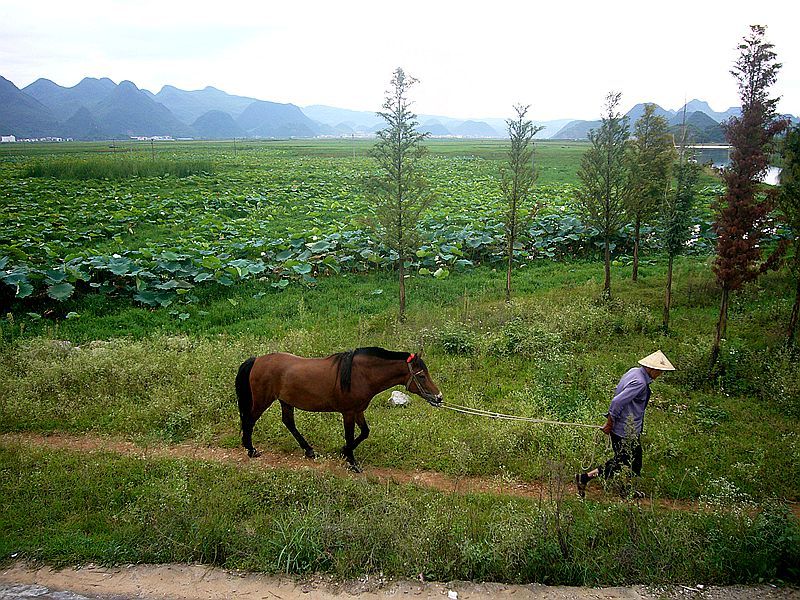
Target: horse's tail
[(244, 394)]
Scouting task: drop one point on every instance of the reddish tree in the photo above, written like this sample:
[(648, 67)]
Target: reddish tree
[(740, 213)]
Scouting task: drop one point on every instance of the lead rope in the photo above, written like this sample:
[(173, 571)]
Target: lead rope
[(495, 415)]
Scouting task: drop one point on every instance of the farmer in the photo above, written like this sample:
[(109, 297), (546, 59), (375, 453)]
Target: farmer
[(625, 419)]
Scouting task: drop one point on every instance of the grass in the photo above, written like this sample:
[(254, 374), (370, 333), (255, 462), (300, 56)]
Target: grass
[(554, 353), (129, 510), (116, 368), (115, 168)]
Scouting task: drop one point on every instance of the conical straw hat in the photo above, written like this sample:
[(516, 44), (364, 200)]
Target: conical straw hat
[(657, 361)]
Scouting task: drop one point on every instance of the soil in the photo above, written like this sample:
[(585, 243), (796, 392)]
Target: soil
[(194, 582)]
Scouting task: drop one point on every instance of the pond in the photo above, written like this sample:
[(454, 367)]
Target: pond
[(719, 157)]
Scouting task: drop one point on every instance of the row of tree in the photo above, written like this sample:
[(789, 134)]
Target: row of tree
[(644, 179)]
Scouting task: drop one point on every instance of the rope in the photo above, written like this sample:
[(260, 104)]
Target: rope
[(494, 415)]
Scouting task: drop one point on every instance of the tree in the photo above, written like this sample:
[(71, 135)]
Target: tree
[(517, 178), (603, 179), (740, 213), (652, 154), (789, 204), (400, 191), (676, 212)]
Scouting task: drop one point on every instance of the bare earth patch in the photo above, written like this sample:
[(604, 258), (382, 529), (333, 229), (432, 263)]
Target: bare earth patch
[(194, 582)]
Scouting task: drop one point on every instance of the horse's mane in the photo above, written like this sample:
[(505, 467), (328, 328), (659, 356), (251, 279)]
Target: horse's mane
[(344, 361)]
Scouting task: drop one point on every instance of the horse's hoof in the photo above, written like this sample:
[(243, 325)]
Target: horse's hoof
[(354, 468), (253, 453), (310, 453)]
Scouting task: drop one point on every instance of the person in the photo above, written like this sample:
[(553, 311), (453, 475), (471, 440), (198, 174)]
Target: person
[(625, 419)]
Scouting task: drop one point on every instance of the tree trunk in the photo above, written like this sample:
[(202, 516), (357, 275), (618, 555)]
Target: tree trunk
[(668, 295), (795, 314), (510, 264), (635, 275), (401, 270), (607, 282), (722, 326)]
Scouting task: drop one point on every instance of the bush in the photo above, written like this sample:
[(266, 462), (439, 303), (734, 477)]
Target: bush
[(115, 168)]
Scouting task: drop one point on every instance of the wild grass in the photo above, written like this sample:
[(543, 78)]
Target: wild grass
[(556, 352), (117, 167), (131, 510)]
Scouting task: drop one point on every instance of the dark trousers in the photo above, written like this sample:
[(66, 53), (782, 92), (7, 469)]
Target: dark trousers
[(627, 453)]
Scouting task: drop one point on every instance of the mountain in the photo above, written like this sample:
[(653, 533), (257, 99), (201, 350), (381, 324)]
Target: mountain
[(360, 121), (274, 120), (435, 129), (217, 125), (127, 111), (694, 106), (188, 106), (637, 111), (700, 128), (576, 130), (22, 115), (475, 129), (64, 102), (82, 126)]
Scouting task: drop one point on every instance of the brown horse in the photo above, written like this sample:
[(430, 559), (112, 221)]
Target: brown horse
[(344, 382)]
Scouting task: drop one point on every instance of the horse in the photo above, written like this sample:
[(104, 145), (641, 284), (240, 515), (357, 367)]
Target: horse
[(345, 382)]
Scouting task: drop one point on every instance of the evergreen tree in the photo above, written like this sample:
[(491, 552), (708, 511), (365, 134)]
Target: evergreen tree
[(400, 191), (676, 216), (516, 179), (789, 204), (740, 214), (652, 154), (603, 176)]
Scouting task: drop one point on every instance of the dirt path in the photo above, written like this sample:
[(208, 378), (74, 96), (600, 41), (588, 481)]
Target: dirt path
[(272, 460), (194, 582)]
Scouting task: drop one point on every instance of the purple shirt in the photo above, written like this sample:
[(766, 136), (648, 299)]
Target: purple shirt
[(630, 400)]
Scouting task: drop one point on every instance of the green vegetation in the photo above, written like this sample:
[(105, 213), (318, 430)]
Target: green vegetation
[(102, 362), (132, 510), (115, 168)]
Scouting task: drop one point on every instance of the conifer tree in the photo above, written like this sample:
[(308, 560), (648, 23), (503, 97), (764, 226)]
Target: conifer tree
[(676, 216), (400, 191), (516, 179), (652, 154), (789, 204), (740, 213), (603, 176)]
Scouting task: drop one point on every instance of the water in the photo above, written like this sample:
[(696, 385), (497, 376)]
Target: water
[(720, 158)]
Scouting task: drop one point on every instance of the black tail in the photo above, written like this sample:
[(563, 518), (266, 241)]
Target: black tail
[(244, 394)]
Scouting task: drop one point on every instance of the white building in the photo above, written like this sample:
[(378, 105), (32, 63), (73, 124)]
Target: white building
[(7, 138)]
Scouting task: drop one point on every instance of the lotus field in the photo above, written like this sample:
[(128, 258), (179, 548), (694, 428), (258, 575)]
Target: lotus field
[(275, 212)]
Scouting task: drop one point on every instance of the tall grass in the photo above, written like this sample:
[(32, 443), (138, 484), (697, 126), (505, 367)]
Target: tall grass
[(104, 507), (115, 168)]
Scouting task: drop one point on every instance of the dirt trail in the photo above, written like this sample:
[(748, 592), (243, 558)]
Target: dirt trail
[(273, 460), (195, 582)]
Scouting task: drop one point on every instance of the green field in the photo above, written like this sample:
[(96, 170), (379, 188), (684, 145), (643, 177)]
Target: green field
[(177, 279)]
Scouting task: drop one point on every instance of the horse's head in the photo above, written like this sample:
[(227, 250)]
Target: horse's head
[(420, 382)]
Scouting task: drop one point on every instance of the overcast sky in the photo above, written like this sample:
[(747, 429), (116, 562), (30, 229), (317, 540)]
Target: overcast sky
[(560, 57)]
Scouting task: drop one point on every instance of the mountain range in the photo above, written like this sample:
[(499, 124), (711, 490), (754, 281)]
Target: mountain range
[(97, 109)]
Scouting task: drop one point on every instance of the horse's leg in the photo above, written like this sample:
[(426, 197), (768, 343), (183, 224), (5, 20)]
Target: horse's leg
[(349, 431), (247, 429), (287, 411), (362, 425)]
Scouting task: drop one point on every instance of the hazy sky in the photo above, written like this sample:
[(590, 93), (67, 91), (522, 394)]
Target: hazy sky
[(560, 57)]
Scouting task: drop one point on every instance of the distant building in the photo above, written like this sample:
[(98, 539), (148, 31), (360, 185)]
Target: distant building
[(7, 138)]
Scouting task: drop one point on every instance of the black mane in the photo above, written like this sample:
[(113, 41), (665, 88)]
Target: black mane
[(345, 361)]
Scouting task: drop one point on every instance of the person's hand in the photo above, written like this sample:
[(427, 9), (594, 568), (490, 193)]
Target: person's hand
[(608, 426)]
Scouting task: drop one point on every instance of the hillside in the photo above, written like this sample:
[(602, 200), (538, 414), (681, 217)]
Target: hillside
[(24, 116), (188, 106)]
